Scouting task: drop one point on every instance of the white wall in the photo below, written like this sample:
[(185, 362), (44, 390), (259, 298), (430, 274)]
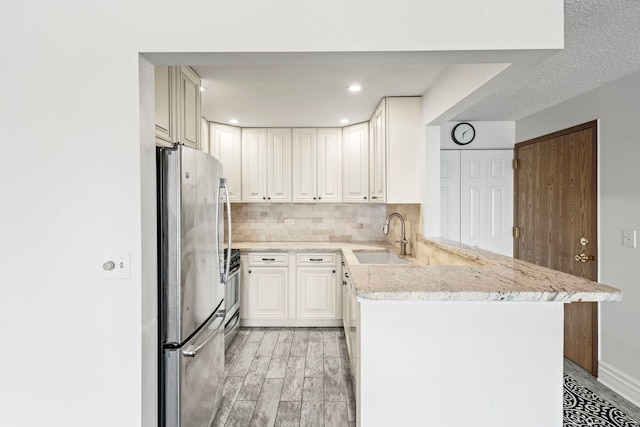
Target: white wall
[(489, 135), (617, 107), (457, 88), (431, 182), (75, 179)]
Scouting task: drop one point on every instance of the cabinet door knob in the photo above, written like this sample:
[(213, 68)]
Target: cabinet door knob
[(264, 198), (365, 197), (334, 272), (314, 198), (268, 198), (249, 271), (319, 198), (374, 197)]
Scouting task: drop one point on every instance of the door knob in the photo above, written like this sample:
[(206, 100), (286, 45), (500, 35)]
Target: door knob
[(584, 257)]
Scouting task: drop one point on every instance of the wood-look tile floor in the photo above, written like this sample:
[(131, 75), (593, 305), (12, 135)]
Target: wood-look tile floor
[(287, 377), (301, 377)]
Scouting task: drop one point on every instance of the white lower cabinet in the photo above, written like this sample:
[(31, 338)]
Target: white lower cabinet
[(345, 303), (350, 322), (317, 292), (291, 289), (268, 292)]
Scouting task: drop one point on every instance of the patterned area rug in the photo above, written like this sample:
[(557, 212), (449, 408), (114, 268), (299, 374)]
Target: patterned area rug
[(583, 408)]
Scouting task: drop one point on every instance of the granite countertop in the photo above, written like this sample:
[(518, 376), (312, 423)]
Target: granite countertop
[(487, 276)]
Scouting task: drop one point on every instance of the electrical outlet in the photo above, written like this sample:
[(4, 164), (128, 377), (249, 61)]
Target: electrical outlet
[(116, 265), (288, 221), (629, 238)]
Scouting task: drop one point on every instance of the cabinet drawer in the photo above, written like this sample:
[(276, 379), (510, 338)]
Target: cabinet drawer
[(268, 259), (316, 259)]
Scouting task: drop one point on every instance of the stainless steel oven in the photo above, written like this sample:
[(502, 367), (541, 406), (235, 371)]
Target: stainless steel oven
[(232, 297)]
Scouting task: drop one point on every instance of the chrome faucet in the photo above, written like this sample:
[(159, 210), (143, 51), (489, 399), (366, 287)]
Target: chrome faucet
[(403, 242)]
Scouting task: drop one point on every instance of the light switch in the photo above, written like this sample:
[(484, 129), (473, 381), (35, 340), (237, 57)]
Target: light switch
[(116, 265), (288, 221), (629, 238)]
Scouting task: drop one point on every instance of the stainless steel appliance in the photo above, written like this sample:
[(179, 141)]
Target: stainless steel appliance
[(191, 277), (232, 296)]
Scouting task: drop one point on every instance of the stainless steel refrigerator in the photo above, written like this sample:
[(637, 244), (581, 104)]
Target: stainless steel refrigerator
[(191, 277)]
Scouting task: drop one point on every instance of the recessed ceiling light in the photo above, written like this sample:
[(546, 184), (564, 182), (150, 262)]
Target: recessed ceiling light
[(344, 121), (355, 88), (202, 88), (234, 121)]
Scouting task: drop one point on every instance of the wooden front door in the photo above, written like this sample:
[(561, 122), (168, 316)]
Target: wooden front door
[(555, 196)]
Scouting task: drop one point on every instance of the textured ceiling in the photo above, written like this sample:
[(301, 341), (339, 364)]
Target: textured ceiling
[(602, 44)]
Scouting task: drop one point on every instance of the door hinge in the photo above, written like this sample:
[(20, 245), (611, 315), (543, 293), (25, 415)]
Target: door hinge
[(516, 232), (516, 163)]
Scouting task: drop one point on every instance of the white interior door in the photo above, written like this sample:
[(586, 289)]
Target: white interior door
[(450, 194), (486, 202)]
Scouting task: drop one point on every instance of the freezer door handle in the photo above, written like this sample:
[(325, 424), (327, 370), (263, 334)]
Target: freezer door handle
[(192, 351)]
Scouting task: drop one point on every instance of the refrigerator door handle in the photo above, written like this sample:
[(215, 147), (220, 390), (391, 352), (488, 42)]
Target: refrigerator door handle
[(192, 351), (223, 184), (221, 274)]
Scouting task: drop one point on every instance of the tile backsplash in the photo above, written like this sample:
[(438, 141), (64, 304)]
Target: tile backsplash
[(332, 222)]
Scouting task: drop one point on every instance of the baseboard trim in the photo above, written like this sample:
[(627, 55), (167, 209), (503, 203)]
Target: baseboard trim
[(289, 323), (620, 382)]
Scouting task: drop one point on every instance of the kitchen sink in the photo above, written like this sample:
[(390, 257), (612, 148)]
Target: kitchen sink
[(379, 258)]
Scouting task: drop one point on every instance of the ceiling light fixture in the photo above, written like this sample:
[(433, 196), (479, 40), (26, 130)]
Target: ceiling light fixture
[(202, 88), (344, 121), (355, 88), (234, 121)]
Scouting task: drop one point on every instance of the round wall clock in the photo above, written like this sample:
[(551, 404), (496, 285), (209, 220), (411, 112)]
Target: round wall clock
[(463, 133)]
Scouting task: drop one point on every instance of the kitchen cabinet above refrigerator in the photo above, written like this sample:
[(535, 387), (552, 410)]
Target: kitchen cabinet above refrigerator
[(178, 104)]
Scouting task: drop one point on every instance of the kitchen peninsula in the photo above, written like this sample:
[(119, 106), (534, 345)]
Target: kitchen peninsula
[(458, 336)]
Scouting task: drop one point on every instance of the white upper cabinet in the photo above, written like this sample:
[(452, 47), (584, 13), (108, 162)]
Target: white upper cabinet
[(375, 162), (266, 165), (279, 165), (189, 107), (317, 165), (404, 139), (304, 165), (178, 120), (396, 151), (225, 145), (254, 165), (167, 80), (329, 163), (355, 163), (377, 155)]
